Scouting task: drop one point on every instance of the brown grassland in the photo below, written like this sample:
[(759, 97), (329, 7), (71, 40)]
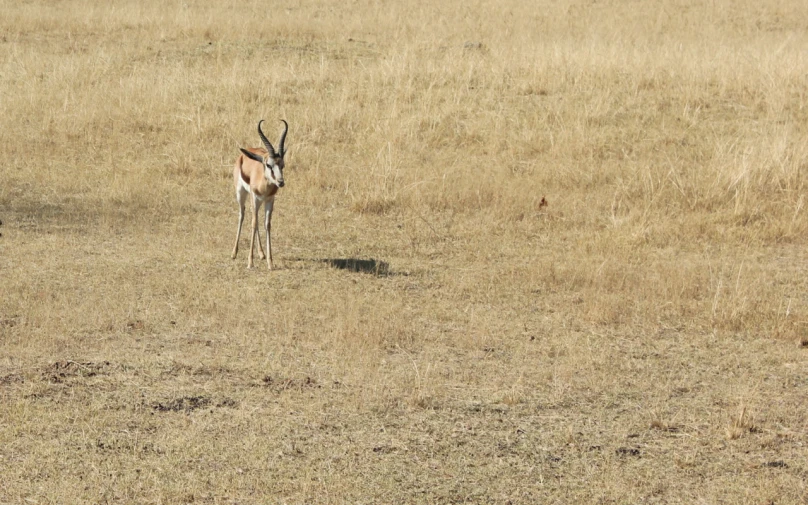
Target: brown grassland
[(528, 252)]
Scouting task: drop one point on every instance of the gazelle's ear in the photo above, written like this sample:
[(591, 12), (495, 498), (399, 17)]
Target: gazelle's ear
[(253, 156)]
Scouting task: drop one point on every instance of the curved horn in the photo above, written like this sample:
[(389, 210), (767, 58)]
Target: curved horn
[(283, 138), (266, 142)]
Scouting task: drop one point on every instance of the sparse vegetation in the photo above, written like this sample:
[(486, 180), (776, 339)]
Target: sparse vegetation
[(528, 253)]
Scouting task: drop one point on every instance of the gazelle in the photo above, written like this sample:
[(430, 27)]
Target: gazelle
[(259, 173)]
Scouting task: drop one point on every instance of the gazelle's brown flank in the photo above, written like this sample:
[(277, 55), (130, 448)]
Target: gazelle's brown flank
[(259, 173)]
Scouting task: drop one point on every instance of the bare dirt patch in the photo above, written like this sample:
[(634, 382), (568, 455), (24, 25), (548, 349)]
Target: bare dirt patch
[(60, 371), (12, 378), (184, 404), (279, 384)]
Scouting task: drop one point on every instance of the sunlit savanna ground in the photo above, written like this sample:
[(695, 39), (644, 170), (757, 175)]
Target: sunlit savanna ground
[(528, 252)]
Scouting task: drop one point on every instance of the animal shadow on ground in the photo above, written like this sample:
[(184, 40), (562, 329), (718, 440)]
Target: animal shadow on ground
[(371, 266), (362, 266)]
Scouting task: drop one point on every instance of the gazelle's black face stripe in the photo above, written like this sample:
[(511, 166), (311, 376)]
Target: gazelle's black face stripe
[(274, 171)]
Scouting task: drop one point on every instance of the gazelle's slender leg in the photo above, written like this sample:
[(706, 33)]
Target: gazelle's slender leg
[(260, 247), (268, 227), (241, 197), (254, 232)]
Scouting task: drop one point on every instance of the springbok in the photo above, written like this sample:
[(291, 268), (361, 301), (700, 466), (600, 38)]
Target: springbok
[(259, 172)]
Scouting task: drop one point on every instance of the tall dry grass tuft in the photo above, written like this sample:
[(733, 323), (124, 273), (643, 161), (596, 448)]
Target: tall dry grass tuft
[(741, 424)]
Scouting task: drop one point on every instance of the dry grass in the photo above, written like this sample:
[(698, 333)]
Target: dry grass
[(529, 253)]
